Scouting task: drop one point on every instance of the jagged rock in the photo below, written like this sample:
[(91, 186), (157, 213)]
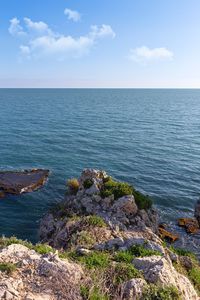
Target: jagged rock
[(186, 262), (22, 182), (134, 288), (159, 270), (82, 251), (197, 211), (173, 256), (190, 224), (50, 277), (119, 214), (94, 189), (164, 234), (125, 205)]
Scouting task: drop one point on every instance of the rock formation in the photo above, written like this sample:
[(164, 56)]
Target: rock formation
[(101, 242), (22, 182)]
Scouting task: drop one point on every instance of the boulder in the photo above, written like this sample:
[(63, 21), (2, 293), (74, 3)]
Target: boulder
[(164, 234), (134, 288), (191, 225), (126, 205), (159, 270), (22, 182), (38, 276)]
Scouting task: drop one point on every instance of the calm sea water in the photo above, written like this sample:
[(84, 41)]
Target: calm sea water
[(150, 138)]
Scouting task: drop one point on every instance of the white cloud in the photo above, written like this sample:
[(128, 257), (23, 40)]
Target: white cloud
[(15, 28), (102, 32), (40, 26), (41, 41), (72, 15), (144, 54)]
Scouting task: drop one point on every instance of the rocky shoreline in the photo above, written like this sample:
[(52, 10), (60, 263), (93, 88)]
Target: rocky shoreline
[(103, 241)]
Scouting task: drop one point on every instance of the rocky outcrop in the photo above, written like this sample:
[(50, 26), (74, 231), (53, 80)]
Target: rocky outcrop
[(159, 270), (22, 182), (111, 240), (38, 276), (120, 214)]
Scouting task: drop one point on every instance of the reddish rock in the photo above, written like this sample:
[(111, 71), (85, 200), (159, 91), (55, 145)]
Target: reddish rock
[(191, 225), (164, 234), (22, 182), (2, 195)]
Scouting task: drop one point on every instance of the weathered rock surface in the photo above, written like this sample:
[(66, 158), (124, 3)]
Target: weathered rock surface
[(159, 270), (83, 224), (120, 215), (133, 289), (22, 182), (38, 276)]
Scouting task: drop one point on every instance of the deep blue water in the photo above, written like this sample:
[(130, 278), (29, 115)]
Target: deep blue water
[(150, 138)]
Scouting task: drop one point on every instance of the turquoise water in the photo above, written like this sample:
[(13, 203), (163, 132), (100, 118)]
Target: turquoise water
[(150, 138)]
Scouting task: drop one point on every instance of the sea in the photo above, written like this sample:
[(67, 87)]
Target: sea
[(147, 137)]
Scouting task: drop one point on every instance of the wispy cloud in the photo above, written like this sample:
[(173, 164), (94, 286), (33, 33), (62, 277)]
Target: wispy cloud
[(144, 54), (72, 15), (41, 41), (15, 28)]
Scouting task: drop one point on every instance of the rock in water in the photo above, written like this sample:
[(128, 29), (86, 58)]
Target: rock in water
[(22, 181)]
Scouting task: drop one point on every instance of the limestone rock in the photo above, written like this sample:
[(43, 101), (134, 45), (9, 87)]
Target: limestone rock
[(159, 270), (126, 205), (38, 276), (133, 289)]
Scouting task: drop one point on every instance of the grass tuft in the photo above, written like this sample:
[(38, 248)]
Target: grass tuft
[(7, 268), (154, 292)]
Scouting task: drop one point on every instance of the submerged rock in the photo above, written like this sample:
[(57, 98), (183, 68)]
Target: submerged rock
[(19, 182), (165, 234), (190, 224)]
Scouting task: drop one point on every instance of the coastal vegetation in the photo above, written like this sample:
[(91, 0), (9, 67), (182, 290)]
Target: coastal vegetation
[(101, 243)]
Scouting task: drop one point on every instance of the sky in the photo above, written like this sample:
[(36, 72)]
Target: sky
[(107, 43)]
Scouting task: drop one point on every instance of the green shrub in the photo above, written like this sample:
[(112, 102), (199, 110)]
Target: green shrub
[(73, 185), (182, 252), (142, 201), (194, 275), (95, 221), (4, 242), (87, 183), (43, 248), (123, 256), (124, 272), (82, 238), (106, 193), (161, 293), (93, 294), (96, 260), (97, 295), (141, 251), (118, 189), (8, 268), (84, 291)]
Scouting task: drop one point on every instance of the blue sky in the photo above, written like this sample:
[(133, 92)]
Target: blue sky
[(107, 43)]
